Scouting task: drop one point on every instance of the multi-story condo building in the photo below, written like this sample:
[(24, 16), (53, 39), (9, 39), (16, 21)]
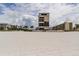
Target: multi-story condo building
[(43, 21)]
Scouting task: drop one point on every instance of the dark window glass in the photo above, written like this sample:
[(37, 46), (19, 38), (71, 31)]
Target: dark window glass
[(43, 14), (41, 24), (41, 19)]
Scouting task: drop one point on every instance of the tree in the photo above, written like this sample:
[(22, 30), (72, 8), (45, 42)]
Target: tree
[(31, 26), (25, 26)]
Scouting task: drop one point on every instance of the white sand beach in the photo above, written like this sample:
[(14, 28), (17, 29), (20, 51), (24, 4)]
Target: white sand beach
[(39, 43)]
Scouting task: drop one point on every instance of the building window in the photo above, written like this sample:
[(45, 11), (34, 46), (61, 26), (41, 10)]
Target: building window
[(41, 19), (41, 24), (43, 14), (41, 28), (46, 23)]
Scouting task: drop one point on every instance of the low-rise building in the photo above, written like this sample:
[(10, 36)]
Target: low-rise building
[(3, 26), (77, 27), (66, 26)]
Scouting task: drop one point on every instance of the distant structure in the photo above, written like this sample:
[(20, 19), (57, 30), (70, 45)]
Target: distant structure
[(3, 26), (66, 26), (58, 27), (43, 21), (77, 27)]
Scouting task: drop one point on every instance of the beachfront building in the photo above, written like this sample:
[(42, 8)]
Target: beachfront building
[(3, 26), (77, 27), (43, 21), (6, 26), (66, 26)]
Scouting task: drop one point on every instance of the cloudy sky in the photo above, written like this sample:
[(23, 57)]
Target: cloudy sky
[(27, 13)]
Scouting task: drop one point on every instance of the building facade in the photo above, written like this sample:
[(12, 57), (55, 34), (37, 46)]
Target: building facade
[(43, 21), (3, 26), (77, 27), (66, 26)]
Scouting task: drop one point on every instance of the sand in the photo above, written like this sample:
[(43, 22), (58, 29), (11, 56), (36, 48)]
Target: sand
[(39, 43)]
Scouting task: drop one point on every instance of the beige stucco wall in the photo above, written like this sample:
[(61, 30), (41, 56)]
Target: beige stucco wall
[(67, 26)]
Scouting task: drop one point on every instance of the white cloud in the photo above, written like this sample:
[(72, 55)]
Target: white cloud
[(58, 13)]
